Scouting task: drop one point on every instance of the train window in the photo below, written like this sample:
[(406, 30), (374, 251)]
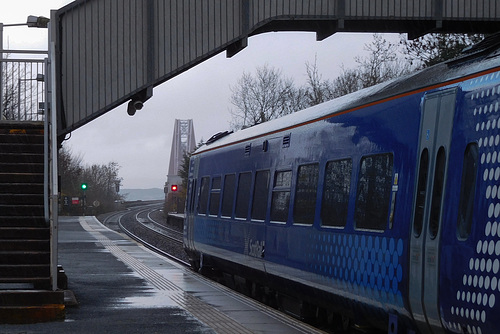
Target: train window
[(374, 192), (203, 200), (260, 194), (243, 195), (191, 192), (215, 196), (437, 193), (467, 192), (336, 189), (423, 172), (228, 195), (305, 194), (281, 196)]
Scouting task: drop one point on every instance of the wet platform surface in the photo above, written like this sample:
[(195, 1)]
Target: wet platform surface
[(121, 287)]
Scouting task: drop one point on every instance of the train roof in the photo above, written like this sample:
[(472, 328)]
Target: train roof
[(477, 59)]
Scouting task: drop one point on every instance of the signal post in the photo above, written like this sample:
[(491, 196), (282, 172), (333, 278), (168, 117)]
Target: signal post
[(84, 187)]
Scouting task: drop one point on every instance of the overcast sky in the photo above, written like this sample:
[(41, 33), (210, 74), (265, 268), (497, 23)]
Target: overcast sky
[(141, 144)]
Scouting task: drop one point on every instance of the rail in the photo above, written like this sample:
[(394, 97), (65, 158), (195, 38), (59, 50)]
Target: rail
[(148, 244), (22, 89), (23, 97)]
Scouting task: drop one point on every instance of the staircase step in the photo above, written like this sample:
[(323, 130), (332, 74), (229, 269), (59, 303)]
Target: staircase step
[(21, 199), (24, 271), (30, 233), (21, 167), (38, 283), (31, 314), (24, 257), (16, 157), (14, 147), (21, 127), (30, 297), (23, 221), (23, 139), (31, 306), (20, 132), (22, 210), (21, 178), (27, 245), (25, 251), (21, 188)]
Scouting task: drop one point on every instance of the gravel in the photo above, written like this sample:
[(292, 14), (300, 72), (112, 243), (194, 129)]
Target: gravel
[(167, 245)]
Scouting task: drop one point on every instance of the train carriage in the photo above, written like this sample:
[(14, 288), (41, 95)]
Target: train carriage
[(381, 206)]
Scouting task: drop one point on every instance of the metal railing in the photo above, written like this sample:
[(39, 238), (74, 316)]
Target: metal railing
[(22, 89)]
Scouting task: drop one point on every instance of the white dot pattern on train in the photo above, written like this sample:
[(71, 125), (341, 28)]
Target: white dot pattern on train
[(480, 284)]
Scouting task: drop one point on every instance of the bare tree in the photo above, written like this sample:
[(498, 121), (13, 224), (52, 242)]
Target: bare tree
[(260, 98), (317, 90), (71, 169), (295, 100), (432, 49), (269, 95), (383, 62), (347, 82), (102, 180)]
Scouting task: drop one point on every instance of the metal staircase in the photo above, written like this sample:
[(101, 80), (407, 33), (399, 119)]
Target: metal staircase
[(25, 238)]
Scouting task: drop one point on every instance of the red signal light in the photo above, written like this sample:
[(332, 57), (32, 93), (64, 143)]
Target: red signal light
[(173, 187)]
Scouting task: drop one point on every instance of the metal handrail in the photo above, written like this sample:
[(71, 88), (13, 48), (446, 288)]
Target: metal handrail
[(22, 89), (41, 52), (46, 169)]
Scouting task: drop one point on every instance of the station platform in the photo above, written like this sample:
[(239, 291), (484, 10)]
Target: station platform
[(119, 286)]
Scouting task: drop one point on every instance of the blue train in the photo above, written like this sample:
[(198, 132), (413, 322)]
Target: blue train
[(378, 208)]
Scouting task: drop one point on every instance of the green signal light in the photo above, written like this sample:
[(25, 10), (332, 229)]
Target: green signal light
[(84, 186)]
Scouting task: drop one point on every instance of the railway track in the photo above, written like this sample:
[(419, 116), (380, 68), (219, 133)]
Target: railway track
[(158, 227), (143, 225)]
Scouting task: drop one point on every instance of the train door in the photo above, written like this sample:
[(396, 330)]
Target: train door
[(435, 137), (192, 193)]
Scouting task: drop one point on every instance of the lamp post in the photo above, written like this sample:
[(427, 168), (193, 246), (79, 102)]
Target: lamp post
[(32, 22)]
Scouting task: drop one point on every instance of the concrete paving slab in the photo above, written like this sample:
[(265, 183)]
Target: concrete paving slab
[(122, 287)]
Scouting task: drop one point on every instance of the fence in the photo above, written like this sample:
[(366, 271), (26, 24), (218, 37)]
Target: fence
[(22, 89)]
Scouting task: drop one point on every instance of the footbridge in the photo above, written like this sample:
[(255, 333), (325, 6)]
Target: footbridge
[(110, 52)]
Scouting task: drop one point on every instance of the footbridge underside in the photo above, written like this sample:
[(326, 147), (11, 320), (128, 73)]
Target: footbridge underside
[(110, 52)]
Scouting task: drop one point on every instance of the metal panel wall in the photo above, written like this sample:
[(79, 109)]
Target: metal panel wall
[(103, 55), (190, 31), (476, 9), (263, 10), (111, 51), (393, 9)]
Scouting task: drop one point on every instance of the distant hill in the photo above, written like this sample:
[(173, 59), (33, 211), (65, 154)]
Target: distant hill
[(142, 194)]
